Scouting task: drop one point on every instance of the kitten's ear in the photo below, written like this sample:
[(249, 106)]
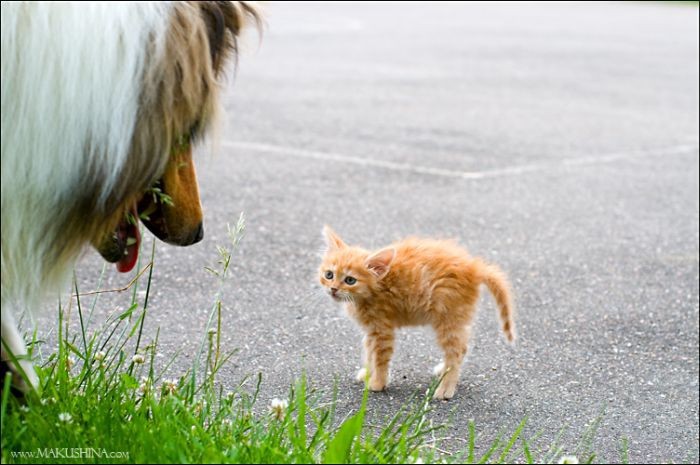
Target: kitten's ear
[(380, 262), (333, 241)]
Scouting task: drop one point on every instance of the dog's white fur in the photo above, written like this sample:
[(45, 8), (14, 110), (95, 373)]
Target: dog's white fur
[(73, 83), (66, 82), (72, 77)]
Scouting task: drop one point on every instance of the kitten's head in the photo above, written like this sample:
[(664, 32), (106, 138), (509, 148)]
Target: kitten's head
[(351, 273)]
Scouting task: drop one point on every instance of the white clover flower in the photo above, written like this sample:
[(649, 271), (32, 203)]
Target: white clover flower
[(211, 331), (138, 359), (65, 417), (99, 356), (278, 408), (226, 423), (169, 387), (568, 459), (145, 386), (24, 408), (70, 361)]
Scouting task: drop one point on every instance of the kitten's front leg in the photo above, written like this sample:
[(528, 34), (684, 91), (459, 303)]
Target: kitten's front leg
[(366, 361), (381, 344)]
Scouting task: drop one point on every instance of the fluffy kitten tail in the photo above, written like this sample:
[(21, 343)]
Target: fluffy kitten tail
[(497, 282)]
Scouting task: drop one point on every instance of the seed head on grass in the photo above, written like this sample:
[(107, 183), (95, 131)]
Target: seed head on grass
[(199, 407)]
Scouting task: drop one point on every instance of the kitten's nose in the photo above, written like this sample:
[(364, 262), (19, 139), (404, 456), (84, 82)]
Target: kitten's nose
[(333, 291)]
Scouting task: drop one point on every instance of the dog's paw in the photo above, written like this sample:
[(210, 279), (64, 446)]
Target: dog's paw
[(19, 385)]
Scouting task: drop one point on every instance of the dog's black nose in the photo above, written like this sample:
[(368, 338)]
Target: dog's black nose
[(198, 234)]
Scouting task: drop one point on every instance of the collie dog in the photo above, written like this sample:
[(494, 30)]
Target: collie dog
[(101, 103)]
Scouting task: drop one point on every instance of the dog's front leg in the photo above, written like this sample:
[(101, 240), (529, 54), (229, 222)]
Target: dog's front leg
[(14, 350)]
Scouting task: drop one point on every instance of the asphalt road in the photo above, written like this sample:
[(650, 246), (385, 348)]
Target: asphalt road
[(559, 141)]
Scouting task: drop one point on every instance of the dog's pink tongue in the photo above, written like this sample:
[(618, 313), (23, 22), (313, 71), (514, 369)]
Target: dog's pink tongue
[(132, 236)]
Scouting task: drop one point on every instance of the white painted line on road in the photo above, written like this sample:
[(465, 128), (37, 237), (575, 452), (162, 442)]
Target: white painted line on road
[(278, 149), (512, 171)]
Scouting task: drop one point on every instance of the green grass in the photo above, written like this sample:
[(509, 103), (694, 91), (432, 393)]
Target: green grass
[(103, 399)]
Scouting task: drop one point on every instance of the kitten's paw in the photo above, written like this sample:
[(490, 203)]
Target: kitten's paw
[(439, 369), (362, 375), (445, 391), (376, 384)]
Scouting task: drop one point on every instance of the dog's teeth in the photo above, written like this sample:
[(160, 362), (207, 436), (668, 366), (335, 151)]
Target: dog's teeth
[(130, 241)]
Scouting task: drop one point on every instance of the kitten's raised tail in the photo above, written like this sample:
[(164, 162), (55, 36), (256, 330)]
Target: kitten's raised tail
[(497, 282)]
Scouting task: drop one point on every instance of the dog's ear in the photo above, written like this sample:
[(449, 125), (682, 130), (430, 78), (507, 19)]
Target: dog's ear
[(224, 22)]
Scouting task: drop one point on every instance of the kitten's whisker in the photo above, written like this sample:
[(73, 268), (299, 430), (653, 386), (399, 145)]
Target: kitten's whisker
[(312, 299)]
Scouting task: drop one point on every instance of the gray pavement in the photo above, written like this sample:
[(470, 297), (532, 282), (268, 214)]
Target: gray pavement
[(559, 141)]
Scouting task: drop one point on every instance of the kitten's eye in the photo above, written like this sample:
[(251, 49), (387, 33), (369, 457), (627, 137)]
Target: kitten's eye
[(328, 274), (350, 280)]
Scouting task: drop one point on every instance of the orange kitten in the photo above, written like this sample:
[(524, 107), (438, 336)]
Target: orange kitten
[(412, 282)]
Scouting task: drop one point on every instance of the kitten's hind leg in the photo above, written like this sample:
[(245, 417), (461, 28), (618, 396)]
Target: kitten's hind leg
[(454, 341)]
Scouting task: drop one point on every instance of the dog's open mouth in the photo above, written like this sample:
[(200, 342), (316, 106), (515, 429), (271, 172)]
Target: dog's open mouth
[(129, 238), (122, 246), (170, 209)]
